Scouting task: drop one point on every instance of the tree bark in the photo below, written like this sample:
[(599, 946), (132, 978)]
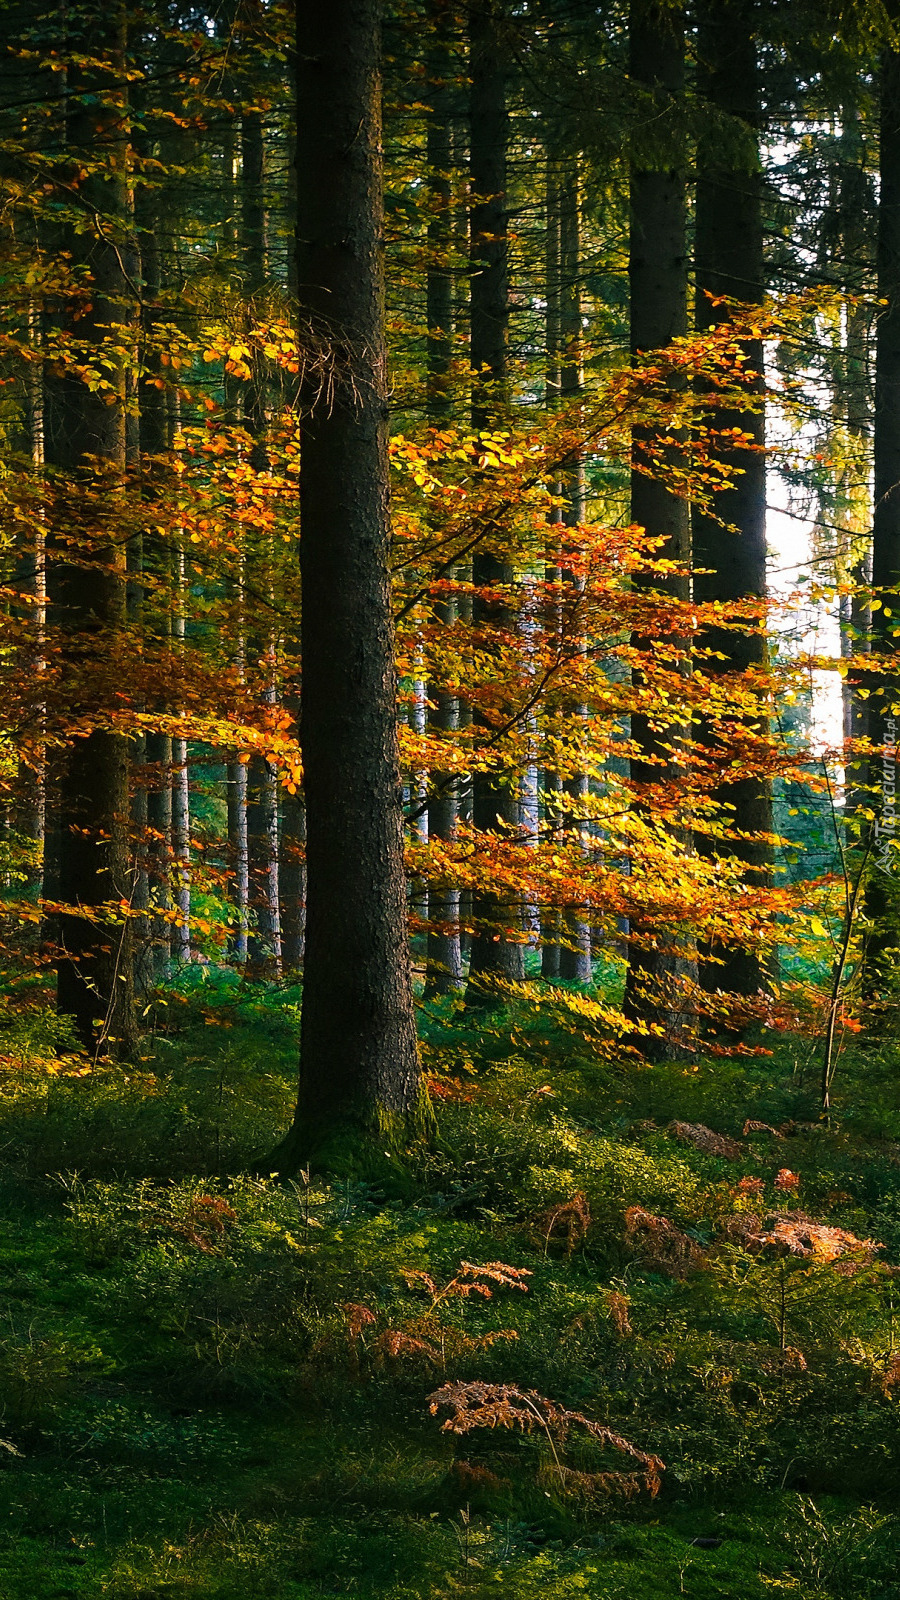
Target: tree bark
[(443, 960), (575, 946), (729, 261), (882, 900), (658, 312), (85, 451), (359, 1066), (497, 950)]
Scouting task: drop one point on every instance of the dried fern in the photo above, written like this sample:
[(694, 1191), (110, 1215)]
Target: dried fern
[(501, 1405)]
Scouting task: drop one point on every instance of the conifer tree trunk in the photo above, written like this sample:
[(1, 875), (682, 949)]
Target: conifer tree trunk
[(852, 226), (443, 961), (358, 1055), (497, 952), (154, 439), (181, 796), (575, 947), (729, 261), (264, 927), (551, 917), (32, 818), (659, 313), (882, 892), (85, 449)]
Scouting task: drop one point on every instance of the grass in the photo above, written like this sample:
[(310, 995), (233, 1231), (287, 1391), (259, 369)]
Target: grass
[(217, 1387)]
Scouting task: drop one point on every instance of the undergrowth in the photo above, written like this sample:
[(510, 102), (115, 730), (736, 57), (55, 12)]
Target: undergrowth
[(621, 1331)]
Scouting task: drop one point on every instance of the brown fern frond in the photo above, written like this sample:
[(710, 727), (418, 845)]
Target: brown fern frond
[(565, 1224), (203, 1224), (793, 1233), (705, 1139), (592, 1488), (480, 1404), (660, 1244), (394, 1343), (414, 1279), (470, 1278), (358, 1317), (889, 1379), (617, 1306)]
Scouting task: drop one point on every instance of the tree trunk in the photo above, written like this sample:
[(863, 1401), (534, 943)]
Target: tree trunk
[(729, 261), (658, 307), (882, 900), (551, 916), (853, 229), (443, 960), (154, 439), (575, 946), (264, 935), (497, 950), (85, 445), (359, 1065)]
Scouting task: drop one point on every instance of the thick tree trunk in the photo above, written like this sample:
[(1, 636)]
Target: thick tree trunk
[(358, 1056), (85, 448), (882, 899), (729, 261), (497, 950), (658, 308)]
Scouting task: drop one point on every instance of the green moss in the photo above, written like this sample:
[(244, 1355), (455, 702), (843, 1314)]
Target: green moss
[(219, 1386)]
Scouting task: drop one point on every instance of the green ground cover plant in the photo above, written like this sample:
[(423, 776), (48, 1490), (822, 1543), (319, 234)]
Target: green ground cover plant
[(218, 1385)]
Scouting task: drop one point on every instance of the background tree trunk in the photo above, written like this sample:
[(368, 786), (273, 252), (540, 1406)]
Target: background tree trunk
[(85, 441), (497, 952), (575, 947), (443, 961)]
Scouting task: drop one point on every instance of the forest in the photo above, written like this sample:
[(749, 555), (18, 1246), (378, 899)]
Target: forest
[(449, 850)]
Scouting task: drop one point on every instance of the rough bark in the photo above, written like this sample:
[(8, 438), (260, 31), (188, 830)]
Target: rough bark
[(882, 900), (443, 960), (85, 452), (551, 917), (497, 951), (575, 945), (359, 1062), (658, 314), (731, 543), (154, 437)]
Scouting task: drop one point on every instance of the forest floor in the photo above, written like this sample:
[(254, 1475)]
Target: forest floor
[(217, 1386)]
